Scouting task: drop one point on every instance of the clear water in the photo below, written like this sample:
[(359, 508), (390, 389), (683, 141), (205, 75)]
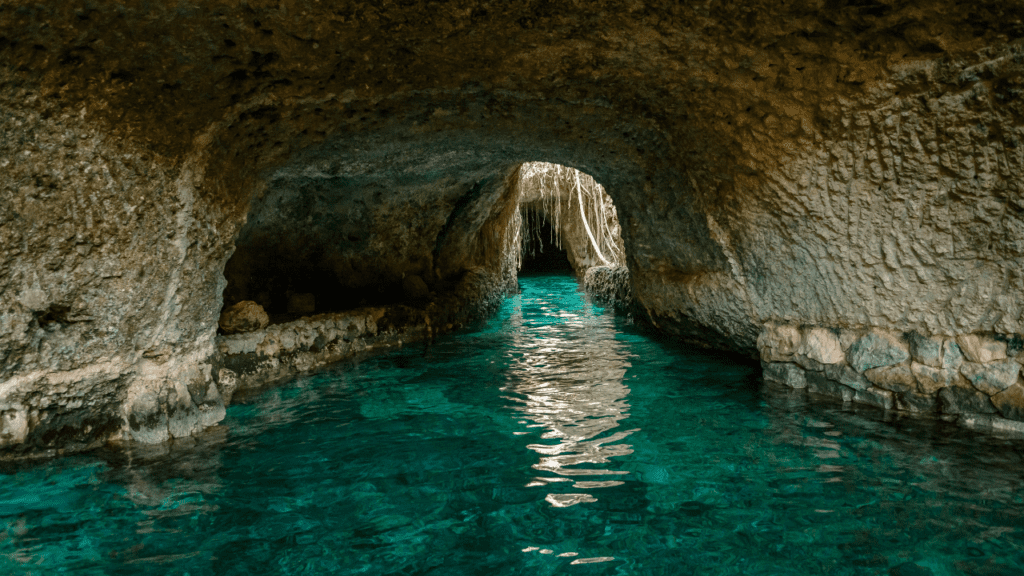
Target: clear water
[(554, 439)]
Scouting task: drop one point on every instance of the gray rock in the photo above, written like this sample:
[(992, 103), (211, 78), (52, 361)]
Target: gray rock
[(875, 350), (964, 400), (818, 383), (952, 356), (916, 402), (785, 373), (980, 348), (991, 378), (847, 376), (927, 351), (245, 316)]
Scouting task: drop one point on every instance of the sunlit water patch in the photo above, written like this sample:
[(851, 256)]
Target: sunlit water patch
[(554, 439)]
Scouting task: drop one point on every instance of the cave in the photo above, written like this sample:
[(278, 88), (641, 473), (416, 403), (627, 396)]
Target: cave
[(541, 252), (832, 190)]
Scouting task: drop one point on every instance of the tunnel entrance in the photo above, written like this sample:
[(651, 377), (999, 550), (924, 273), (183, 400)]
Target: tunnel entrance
[(568, 221)]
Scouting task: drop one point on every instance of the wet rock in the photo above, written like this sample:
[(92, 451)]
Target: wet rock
[(847, 376), (415, 288), (875, 397), (981, 349), (818, 383), (930, 380), (911, 401), (609, 285), (1010, 402), (991, 378), (876, 350), (302, 303), (927, 351), (785, 373), (778, 343), (894, 378), (952, 356), (244, 316), (821, 345), (964, 400)]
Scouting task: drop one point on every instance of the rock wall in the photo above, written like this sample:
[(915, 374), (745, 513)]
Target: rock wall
[(853, 166), (975, 378)]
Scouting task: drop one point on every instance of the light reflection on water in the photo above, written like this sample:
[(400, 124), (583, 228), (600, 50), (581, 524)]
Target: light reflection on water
[(566, 377), (554, 439)]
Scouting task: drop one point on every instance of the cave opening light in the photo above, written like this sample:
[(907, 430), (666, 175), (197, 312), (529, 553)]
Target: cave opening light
[(567, 222)]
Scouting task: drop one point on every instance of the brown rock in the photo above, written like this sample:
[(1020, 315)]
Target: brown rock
[(930, 379), (245, 316), (894, 378), (980, 348), (778, 343), (1010, 402)]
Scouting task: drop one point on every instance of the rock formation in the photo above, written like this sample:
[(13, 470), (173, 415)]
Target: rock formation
[(840, 168)]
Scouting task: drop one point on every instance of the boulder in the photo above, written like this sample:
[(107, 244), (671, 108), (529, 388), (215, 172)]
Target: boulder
[(821, 384), (785, 373), (778, 343), (916, 402), (821, 345), (847, 376), (245, 316), (952, 356), (924, 350), (875, 350), (930, 379), (964, 400), (981, 349), (991, 378), (1010, 402), (895, 378)]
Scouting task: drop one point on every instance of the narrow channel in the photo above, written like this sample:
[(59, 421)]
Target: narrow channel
[(554, 438)]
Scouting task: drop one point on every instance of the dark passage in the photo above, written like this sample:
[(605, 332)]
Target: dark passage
[(541, 254)]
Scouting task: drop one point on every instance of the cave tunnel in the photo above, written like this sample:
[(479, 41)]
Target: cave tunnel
[(326, 244)]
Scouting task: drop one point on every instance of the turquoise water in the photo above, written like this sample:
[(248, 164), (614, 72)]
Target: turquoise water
[(554, 439)]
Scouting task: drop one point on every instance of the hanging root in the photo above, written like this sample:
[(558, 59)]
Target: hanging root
[(547, 192)]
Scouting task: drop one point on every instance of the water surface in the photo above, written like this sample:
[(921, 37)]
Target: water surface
[(554, 439)]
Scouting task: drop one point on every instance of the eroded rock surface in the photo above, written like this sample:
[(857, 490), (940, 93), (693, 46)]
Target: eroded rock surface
[(848, 167)]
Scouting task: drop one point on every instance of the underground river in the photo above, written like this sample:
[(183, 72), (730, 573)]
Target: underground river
[(553, 438)]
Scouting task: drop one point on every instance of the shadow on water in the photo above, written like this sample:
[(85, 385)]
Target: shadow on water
[(554, 438)]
